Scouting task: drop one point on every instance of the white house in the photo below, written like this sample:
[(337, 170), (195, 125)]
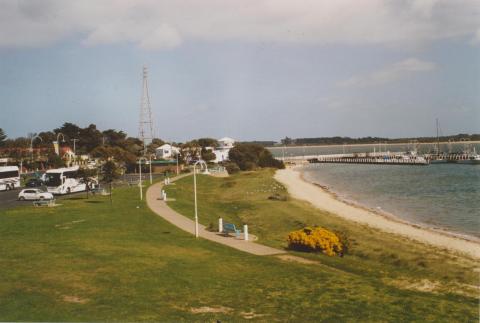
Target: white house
[(226, 143), (224, 146), (166, 151)]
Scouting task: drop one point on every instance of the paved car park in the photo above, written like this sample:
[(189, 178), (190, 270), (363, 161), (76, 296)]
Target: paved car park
[(8, 199)]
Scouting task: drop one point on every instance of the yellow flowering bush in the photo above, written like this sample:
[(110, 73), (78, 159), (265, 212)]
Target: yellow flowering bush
[(315, 239)]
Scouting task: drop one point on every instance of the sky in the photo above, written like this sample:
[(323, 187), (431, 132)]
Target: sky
[(250, 69)]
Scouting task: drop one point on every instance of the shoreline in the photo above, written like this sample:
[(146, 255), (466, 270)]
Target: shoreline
[(321, 198), (389, 215)]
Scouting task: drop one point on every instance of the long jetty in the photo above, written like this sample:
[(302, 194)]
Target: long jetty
[(359, 158)]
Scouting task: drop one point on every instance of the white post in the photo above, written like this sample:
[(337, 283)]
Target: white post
[(220, 225), (195, 193), (245, 232), (140, 179)]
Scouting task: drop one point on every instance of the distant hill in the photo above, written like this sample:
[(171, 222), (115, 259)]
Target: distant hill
[(372, 140), (265, 143)]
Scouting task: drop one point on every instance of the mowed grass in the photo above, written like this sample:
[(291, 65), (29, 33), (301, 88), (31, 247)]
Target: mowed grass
[(89, 261), (389, 259)]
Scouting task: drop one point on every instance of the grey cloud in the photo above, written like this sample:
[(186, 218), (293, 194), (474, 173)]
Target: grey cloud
[(166, 24)]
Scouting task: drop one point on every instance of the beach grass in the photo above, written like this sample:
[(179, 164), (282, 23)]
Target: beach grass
[(87, 260)]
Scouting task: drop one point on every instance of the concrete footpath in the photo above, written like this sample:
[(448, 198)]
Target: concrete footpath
[(157, 205)]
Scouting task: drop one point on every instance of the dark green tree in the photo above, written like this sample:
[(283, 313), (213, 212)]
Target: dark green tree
[(114, 138), (90, 138), (207, 142), (207, 155), (3, 137), (251, 156), (69, 130)]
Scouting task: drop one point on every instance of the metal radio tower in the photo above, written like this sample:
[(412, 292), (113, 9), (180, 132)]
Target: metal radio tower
[(145, 126)]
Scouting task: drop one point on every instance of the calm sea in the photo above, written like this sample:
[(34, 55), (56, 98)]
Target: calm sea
[(445, 196)]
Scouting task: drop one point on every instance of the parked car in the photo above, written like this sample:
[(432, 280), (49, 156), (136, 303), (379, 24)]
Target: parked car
[(34, 182), (34, 194)]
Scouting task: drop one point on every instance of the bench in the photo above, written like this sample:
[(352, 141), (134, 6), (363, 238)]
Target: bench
[(44, 203), (230, 227)]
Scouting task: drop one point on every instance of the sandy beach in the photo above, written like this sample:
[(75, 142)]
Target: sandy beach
[(322, 199)]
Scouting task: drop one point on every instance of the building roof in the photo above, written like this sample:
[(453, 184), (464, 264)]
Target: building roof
[(166, 146), (226, 139)]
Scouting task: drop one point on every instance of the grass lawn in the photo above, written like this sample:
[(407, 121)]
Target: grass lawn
[(89, 261), (392, 260)]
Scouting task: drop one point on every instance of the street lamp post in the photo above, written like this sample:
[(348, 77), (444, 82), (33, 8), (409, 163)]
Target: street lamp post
[(150, 161), (31, 145), (201, 162), (74, 141), (58, 141), (58, 137), (140, 176)]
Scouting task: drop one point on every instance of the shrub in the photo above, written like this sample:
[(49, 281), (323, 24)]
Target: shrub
[(252, 156), (232, 168), (345, 241), (315, 239)]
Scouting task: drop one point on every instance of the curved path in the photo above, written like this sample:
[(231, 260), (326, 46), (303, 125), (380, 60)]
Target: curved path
[(161, 208)]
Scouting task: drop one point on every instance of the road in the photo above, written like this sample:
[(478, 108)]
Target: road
[(8, 199)]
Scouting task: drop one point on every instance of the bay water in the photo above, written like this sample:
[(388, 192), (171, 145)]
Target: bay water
[(443, 196)]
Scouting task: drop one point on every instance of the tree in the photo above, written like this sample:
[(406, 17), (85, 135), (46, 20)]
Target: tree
[(55, 161), (114, 138), (208, 155), (110, 172), (3, 137), (87, 175), (207, 142), (90, 138), (69, 130), (251, 156)]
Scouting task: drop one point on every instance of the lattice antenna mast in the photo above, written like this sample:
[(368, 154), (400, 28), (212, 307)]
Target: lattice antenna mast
[(145, 127)]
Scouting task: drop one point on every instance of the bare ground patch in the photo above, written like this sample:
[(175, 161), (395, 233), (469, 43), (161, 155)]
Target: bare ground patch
[(208, 309), (436, 287), (297, 259), (74, 299)]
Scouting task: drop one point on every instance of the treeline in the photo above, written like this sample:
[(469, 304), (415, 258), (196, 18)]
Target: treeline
[(105, 145), (264, 143), (372, 140)]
